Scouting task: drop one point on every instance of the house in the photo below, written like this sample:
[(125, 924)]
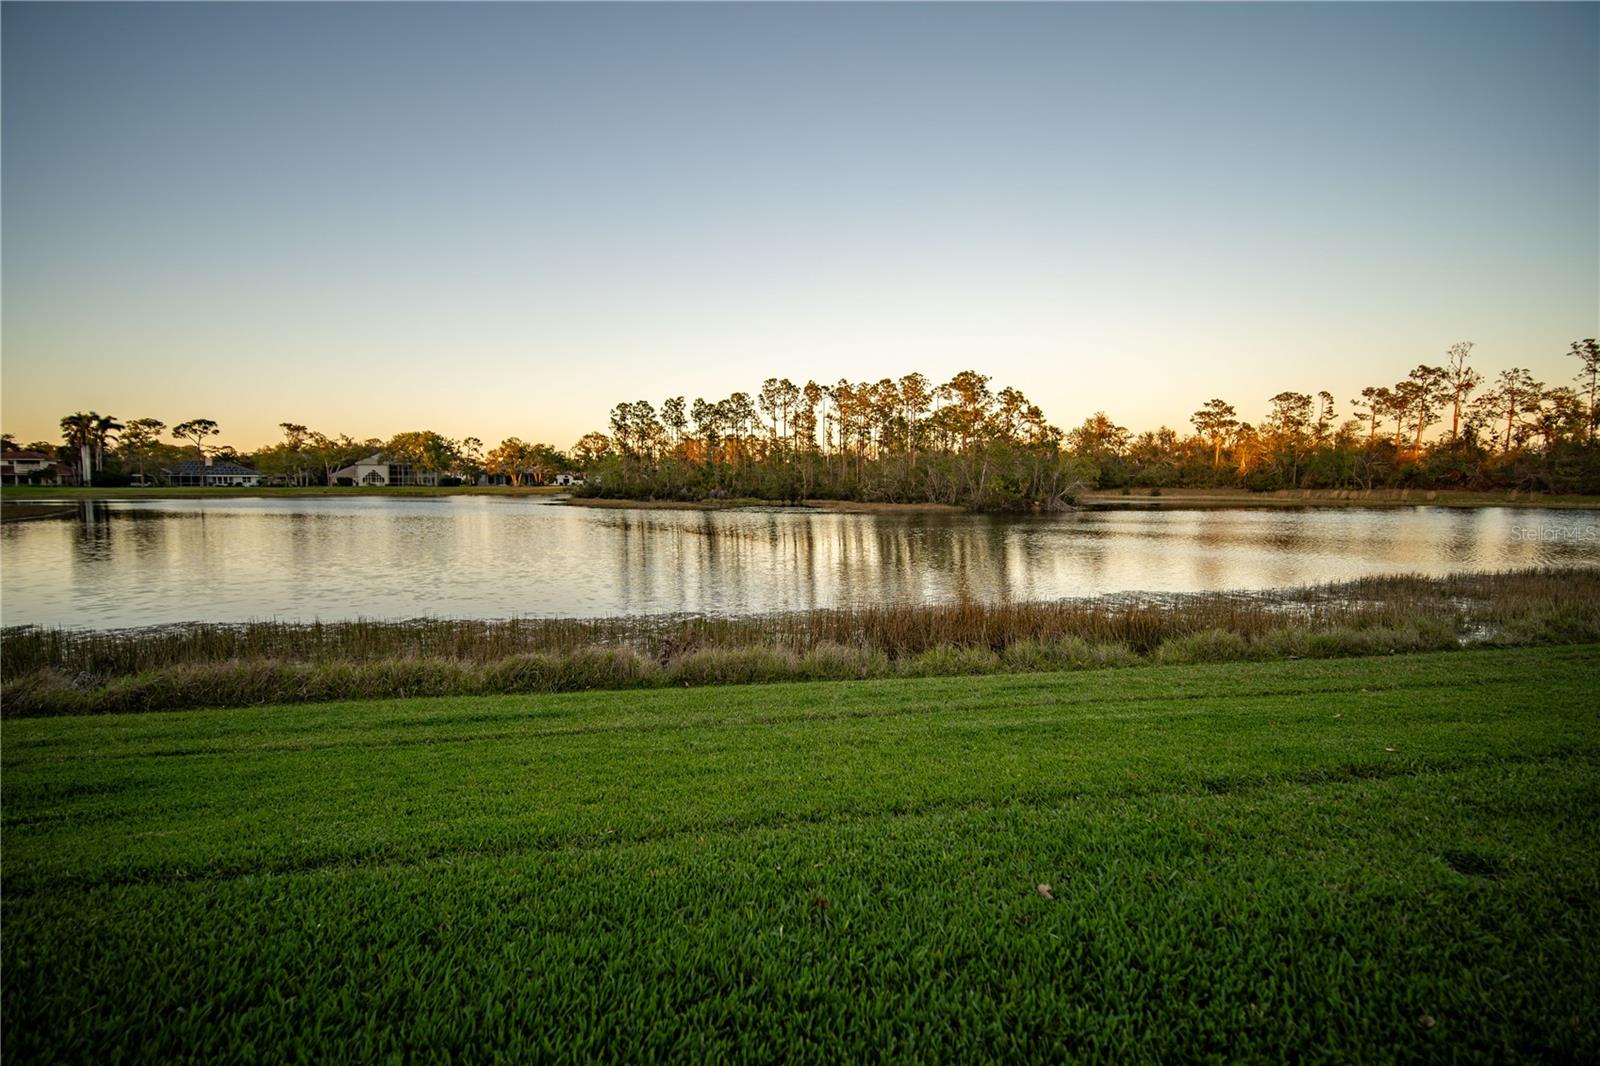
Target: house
[(379, 469), (568, 478), (20, 466), (212, 473)]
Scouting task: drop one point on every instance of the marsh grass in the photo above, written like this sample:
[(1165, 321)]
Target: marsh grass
[(68, 671)]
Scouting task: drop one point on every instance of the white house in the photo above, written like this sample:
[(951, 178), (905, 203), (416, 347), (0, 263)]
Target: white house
[(20, 465), (380, 470), (566, 478), (213, 473)]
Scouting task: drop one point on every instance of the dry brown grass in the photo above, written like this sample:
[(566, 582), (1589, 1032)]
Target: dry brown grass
[(48, 670)]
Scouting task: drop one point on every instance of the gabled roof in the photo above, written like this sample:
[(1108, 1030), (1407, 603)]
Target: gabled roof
[(223, 467), (24, 453), (375, 459)]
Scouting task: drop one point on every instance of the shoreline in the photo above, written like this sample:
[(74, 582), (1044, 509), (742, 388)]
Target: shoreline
[(14, 497), (1142, 499), (1224, 498), (745, 503), (57, 670)]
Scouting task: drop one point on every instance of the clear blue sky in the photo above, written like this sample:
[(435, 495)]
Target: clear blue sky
[(502, 219)]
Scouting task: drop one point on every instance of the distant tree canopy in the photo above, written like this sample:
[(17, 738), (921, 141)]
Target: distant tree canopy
[(963, 442), (903, 440)]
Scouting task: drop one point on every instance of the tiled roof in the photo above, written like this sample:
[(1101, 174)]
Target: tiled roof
[(24, 453), (194, 467)]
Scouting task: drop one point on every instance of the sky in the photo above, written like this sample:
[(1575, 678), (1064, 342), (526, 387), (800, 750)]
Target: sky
[(497, 220)]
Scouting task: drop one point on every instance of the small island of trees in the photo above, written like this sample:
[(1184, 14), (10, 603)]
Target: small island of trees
[(963, 442)]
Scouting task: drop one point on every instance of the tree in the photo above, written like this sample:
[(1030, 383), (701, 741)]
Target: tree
[(777, 400), (1215, 422), (545, 462), (78, 430), (469, 454), (916, 396), (1101, 442), (636, 430), (1428, 391), (1588, 379), (1558, 413), (423, 450), (522, 462), (198, 430), (592, 448), (1374, 405), (510, 459), (673, 419), (1286, 430), (1514, 393), (805, 421), (140, 439), (968, 395), (105, 428), (1458, 379), (1325, 416), (331, 453), (292, 451)]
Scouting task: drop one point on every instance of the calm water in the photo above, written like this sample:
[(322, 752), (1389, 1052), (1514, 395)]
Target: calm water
[(148, 562)]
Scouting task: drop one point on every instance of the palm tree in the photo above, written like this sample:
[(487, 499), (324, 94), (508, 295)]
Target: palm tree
[(105, 427), (78, 430)]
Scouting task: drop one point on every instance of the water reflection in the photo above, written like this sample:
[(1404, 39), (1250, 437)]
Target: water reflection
[(145, 562)]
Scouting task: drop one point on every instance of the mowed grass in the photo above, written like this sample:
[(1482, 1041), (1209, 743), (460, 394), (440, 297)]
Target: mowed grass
[(1380, 859)]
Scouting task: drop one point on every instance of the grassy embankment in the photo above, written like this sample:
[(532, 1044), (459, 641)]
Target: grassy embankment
[(20, 494), (1362, 860), (63, 671)]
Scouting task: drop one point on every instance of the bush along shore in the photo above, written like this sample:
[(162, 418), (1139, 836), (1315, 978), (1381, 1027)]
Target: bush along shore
[(52, 671)]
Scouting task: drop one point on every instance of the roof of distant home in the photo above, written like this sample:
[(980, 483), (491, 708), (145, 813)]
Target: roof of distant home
[(375, 459), (26, 453), (221, 467)]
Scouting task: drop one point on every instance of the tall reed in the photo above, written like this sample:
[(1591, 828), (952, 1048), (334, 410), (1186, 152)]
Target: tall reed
[(59, 670)]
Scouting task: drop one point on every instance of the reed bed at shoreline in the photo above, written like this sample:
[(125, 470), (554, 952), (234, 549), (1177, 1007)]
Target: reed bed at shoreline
[(67, 671)]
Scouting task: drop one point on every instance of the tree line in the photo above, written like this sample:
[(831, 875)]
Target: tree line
[(102, 450), (1444, 425), (962, 442)]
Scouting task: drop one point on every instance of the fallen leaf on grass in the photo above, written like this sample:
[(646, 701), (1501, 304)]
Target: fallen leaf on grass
[(1388, 749), (1044, 890), (1427, 1021), (822, 902)]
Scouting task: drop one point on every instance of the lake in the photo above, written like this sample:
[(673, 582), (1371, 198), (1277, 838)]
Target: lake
[(147, 562)]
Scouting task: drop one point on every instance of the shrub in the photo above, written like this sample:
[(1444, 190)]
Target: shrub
[(949, 660), (734, 666), (837, 662), (1207, 646)]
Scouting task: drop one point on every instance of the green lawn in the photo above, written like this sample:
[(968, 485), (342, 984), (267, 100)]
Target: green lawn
[(1382, 858)]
